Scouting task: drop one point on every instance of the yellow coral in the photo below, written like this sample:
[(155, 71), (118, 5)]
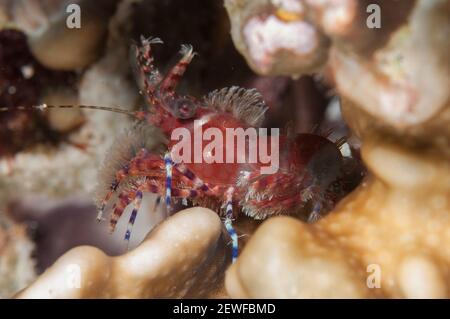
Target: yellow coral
[(395, 226)]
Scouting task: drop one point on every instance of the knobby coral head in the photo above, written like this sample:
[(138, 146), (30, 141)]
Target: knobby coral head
[(185, 256)]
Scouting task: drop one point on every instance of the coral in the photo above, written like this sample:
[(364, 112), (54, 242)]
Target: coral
[(52, 42), (275, 38), (403, 85), (396, 224), (393, 86), (382, 70), (185, 256), (398, 220), (23, 81), (16, 263), (69, 169)]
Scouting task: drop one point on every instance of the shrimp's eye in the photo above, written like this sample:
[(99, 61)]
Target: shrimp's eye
[(184, 109)]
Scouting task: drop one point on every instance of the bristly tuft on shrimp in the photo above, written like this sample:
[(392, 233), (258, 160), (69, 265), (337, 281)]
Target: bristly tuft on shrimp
[(127, 146), (245, 105)]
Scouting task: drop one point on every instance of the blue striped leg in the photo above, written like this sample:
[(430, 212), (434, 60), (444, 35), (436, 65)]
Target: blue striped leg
[(199, 185), (137, 204), (169, 165), (229, 224)]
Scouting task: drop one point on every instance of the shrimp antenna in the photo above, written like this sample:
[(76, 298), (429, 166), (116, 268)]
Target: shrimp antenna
[(42, 107)]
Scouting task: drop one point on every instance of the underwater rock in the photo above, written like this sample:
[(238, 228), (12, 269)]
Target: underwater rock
[(184, 256), (386, 239)]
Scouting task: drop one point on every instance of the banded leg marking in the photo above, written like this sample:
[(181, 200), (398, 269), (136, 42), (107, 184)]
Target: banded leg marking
[(137, 204), (169, 165), (229, 224)]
